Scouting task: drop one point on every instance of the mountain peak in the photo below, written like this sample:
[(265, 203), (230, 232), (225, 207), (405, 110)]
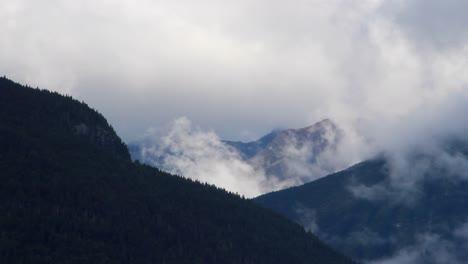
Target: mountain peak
[(323, 124), (279, 152)]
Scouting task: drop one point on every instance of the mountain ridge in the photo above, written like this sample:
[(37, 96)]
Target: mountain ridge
[(71, 195), (371, 226), (291, 151), (250, 149)]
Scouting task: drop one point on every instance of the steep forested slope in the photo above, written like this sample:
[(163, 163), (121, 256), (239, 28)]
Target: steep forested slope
[(69, 193)]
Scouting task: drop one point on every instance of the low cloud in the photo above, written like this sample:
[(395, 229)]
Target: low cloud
[(307, 217), (429, 143), (307, 154), (185, 149), (429, 249), (188, 151), (308, 160)]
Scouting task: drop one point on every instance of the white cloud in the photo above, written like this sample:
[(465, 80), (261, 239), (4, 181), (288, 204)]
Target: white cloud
[(187, 150), (236, 65), (200, 155), (431, 23), (427, 143)]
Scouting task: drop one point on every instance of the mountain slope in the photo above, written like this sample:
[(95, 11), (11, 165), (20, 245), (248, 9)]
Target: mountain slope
[(70, 194), (250, 149), (279, 159), (386, 224), (292, 153)]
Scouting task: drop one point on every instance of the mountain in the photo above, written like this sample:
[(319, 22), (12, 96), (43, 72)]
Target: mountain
[(69, 193), (366, 212), (280, 159), (250, 149), (292, 153)]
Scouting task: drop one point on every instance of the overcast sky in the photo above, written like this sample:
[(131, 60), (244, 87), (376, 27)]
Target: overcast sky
[(240, 67)]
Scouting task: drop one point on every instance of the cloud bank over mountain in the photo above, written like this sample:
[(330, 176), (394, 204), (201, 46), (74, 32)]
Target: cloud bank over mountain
[(187, 150), (293, 157), (430, 142), (432, 249)]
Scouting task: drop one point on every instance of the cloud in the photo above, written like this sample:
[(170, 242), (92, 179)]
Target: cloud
[(313, 159), (200, 155), (230, 66), (428, 249), (306, 154), (307, 218), (431, 23), (428, 143), (185, 149)]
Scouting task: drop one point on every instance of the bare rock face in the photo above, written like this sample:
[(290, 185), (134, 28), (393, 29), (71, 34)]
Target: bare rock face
[(282, 157), (292, 149), (291, 153)]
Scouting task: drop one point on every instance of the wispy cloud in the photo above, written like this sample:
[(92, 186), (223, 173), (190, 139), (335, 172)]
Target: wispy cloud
[(427, 144), (188, 151), (429, 248)]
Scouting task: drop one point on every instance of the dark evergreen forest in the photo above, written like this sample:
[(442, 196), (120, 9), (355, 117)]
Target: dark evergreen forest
[(69, 193)]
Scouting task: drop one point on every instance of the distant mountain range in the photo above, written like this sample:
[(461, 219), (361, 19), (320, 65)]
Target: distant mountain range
[(69, 193)]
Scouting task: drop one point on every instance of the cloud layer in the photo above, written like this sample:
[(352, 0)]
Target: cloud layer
[(238, 67), (433, 249), (427, 143)]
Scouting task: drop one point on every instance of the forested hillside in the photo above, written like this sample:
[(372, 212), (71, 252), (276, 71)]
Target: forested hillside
[(69, 193), (358, 212)]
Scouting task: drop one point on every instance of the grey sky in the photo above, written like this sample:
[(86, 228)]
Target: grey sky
[(239, 67)]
